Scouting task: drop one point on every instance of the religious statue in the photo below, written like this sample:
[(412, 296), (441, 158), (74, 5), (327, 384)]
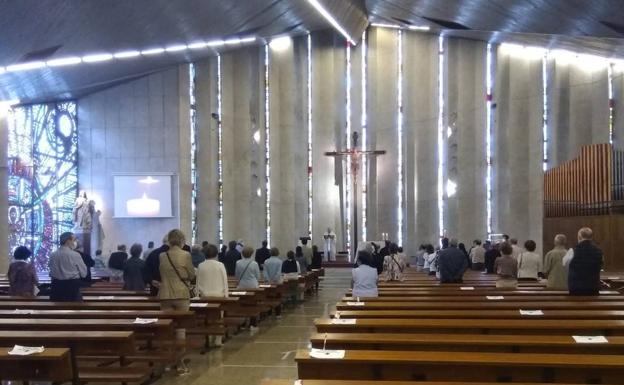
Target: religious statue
[(83, 220), (82, 214), (330, 245)]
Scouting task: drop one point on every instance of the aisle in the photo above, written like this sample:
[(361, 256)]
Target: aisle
[(247, 358)]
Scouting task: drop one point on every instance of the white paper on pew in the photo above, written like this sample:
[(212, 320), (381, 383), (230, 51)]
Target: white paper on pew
[(590, 339), (106, 297), (19, 350), (603, 292), (238, 293), (613, 278), (298, 382), (144, 321), (351, 303), (265, 286), (332, 354), (23, 311), (494, 297), (337, 315), (343, 321), (531, 312), (466, 288), (201, 304)]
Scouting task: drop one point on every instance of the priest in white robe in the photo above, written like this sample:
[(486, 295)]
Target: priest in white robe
[(329, 245)]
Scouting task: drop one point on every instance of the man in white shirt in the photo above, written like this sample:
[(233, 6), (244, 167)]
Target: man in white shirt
[(66, 270), (477, 256)]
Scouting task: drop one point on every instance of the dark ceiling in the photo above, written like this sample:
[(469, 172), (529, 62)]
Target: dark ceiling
[(50, 29)]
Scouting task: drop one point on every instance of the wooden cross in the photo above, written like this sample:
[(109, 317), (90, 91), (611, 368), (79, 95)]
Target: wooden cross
[(355, 155)]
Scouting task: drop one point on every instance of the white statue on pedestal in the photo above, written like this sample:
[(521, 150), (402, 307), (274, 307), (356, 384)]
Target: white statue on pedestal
[(329, 245)]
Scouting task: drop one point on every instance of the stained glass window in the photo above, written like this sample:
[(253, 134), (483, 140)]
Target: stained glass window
[(43, 176)]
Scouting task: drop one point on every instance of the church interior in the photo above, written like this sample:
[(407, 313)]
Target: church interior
[(346, 132)]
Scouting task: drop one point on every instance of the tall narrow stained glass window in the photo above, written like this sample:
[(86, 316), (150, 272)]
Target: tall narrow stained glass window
[(43, 176)]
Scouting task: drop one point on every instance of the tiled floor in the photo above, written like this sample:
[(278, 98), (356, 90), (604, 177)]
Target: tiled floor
[(245, 359)]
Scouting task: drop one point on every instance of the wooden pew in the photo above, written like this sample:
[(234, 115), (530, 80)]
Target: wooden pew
[(52, 365), (564, 344), (482, 298), (463, 366), (398, 293), (475, 326), (475, 314), (109, 344), (571, 304), (267, 381)]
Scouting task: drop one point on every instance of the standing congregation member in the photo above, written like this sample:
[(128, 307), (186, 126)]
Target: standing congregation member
[(477, 255), (22, 275), (452, 263), (88, 261), (301, 259), (432, 261), (176, 273), (506, 267), (212, 281), (273, 268), (151, 270), (197, 256), (290, 267), (133, 269), (554, 270), (307, 252), (491, 254), (247, 271), (262, 254), (230, 258), (393, 265), (212, 278), (462, 248), (66, 270), (584, 262), (317, 258), (116, 263), (148, 251), (517, 250), (364, 277), (529, 263)]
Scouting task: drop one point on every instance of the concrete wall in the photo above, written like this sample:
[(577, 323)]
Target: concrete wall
[(140, 126)]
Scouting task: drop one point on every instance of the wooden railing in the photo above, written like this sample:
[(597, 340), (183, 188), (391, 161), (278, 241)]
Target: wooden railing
[(592, 184)]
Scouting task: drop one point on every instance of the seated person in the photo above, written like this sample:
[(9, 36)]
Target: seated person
[(364, 276), (22, 275)]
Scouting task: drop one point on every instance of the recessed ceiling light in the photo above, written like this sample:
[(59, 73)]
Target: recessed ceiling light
[(25, 66), (247, 39), (152, 51), (66, 61), (126, 54), (280, 43), (233, 41), (97, 58), (176, 48), (198, 45), (215, 43), (384, 25)]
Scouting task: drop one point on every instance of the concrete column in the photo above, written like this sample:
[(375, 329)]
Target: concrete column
[(465, 137), (288, 130), (580, 107), (207, 151), (618, 109), (420, 90), (184, 176), (328, 121), (383, 132), (243, 157), (518, 173)]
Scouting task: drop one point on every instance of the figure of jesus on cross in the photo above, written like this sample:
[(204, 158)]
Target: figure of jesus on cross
[(354, 154)]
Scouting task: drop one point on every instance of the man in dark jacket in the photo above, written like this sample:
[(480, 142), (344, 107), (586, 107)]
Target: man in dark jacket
[(452, 263), (584, 263), (151, 270), (262, 254), (230, 258)]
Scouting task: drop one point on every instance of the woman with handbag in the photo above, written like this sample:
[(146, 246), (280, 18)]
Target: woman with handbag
[(176, 276)]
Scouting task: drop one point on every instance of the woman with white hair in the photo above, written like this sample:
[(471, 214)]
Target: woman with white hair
[(554, 270)]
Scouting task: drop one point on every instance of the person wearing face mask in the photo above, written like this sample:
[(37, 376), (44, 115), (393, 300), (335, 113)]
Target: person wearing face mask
[(66, 270)]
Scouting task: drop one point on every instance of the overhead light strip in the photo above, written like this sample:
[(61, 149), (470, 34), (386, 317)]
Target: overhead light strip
[(328, 16), (122, 55), (396, 26)]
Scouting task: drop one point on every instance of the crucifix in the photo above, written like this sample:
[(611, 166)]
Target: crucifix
[(355, 154)]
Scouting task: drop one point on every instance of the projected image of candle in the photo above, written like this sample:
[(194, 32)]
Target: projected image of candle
[(144, 206)]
